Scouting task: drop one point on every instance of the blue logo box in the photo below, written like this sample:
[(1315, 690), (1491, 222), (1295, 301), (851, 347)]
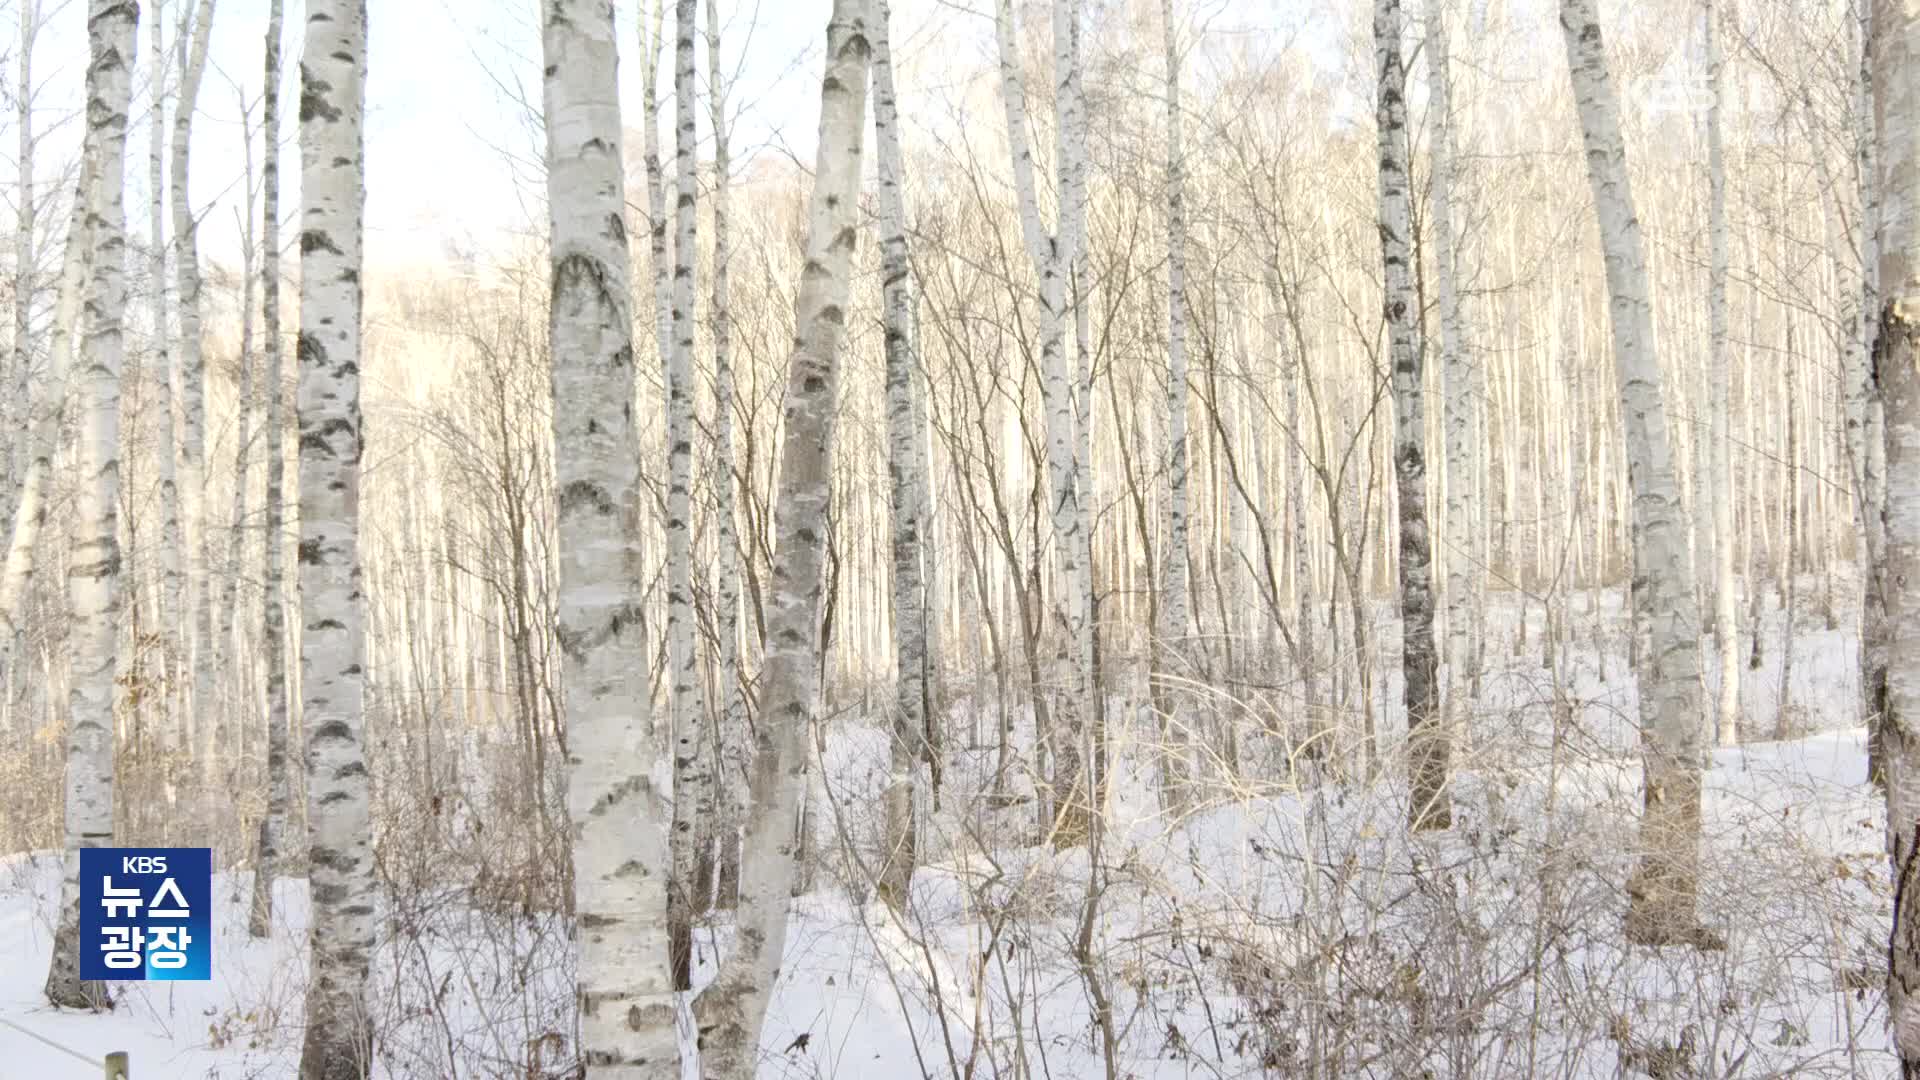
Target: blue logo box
[(146, 913)]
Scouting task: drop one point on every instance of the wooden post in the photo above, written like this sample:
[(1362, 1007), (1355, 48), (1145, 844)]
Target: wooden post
[(118, 1068)]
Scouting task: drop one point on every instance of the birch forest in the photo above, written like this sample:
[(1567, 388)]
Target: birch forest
[(967, 539)]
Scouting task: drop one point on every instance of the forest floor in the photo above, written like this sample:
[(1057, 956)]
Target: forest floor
[(1285, 927)]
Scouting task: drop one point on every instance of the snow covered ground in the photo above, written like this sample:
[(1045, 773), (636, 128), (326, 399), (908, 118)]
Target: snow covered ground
[(1280, 931)]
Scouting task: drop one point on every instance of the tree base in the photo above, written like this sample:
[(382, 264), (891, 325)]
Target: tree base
[(331, 1054), (1641, 929), (76, 994), (1072, 826)]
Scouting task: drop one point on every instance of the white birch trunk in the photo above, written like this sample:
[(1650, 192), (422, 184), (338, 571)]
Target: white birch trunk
[(1053, 258), (159, 398), (1460, 375), (906, 469), (731, 1011), (1430, 805), (1789, 603), (93, 567), (930, 582), (333, 70), (271, 840), (1866, 435), (18, 414), (30, 513), (1171, 636), (1896, 88), (692, 758), (732, 737), (652, 44), (220, 647), (1240, 435), (191, 378), (617, 776), (1665, 882), (1320, 731), (1720, 477), (1084, 749)]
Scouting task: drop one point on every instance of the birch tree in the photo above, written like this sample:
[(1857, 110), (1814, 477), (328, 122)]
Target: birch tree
[(730, 744), (43, 432), (652, 44), (1895, 50), (1320, 728), (1428, 748), (25, 217), (1054, 256), (1460, 374), (1175, 619), (906, 470), (233, 564), (157, 398), (191, 60), (730, 1013), (1665, 882), (332, 192), (271, 840), (692, 760), (1866, 418), (1086, 732), (1725, 598), (93, 561), (616, 793)]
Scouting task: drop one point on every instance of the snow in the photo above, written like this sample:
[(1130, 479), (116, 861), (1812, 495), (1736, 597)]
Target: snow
[(1293, 929)]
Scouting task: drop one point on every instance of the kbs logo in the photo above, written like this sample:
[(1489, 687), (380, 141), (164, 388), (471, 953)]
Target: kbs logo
[(146, 913)]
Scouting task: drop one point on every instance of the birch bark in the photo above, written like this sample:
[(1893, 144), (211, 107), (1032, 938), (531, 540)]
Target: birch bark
[(1866, 428), (271, 841), (1725, 595), (93, 561), (333, 70), (1171, 636), (1664, 886), (1790, 601), (159, 399), (1430, 805), (617, 774), (692, 758), (191, 377), (652, 43), (1896, 58), (220, 646), (1084, 750), (19, 411), (30, 512), (730, 1013), (1320, 732), (731, 743), (906, 470), (1054, 257), (1460, 374)]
